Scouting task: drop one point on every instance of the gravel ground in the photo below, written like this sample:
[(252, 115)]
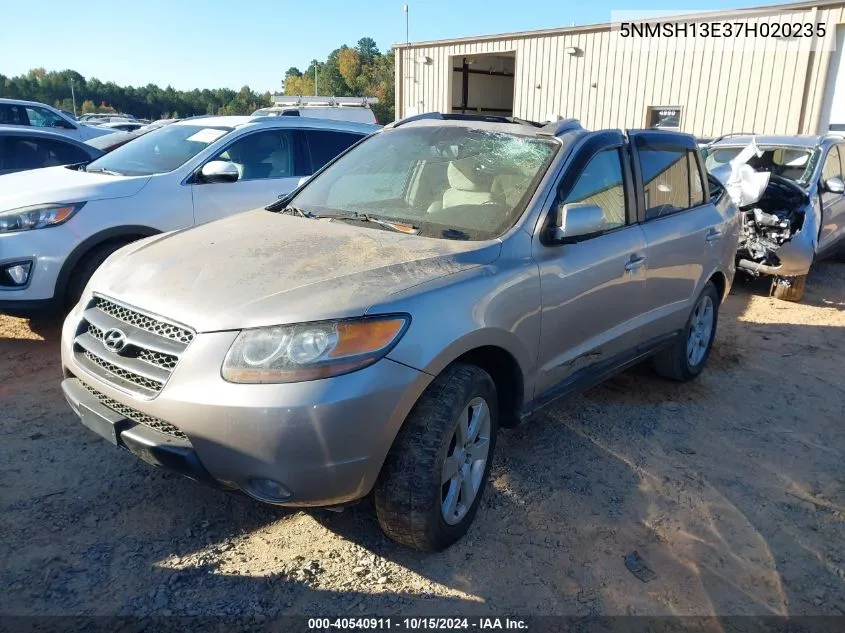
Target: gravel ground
[(731, 489)]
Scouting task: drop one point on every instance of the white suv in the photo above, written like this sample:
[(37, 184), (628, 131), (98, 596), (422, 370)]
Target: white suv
[(34, 114), (58, 224)]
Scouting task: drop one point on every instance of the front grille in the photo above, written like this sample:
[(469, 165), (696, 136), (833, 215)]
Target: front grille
[(144, 322), (141, 381), (167, 361), (127, 348), (135, 415)]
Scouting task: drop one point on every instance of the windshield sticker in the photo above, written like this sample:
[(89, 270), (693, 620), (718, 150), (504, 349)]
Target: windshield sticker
[(206, 135)]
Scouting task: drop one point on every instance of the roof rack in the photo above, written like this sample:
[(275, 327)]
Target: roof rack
[(724, 136), (439, 116), (281, 101), (557, 128)]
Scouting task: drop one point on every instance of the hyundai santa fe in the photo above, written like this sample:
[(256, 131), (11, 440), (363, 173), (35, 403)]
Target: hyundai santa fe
[(370, 333)]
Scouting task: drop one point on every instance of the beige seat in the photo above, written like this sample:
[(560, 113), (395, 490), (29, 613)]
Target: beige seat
[(467, 186), (510, 187)]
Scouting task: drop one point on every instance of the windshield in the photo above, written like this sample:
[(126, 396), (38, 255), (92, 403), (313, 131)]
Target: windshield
[(451, 182), (794, 163), (159, 151)]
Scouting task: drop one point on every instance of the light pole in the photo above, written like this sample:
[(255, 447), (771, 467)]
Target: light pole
[(405, 9), (316, 64), (73, 97)]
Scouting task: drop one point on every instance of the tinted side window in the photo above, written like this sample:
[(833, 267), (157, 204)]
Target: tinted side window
[(24, 153), (666, 181), (13, 115), (325, 145), (697, 186), (262, 155), (831, 167), (63, 153), (601, 183)]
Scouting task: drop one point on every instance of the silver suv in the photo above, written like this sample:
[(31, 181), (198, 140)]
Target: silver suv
[(372, 331)]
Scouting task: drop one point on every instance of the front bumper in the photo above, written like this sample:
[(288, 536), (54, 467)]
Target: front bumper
[(46, 250), (323, 440), (154, 447)]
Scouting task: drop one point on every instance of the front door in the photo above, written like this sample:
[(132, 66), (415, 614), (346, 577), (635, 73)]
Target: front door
[(833, 204), (269, 162), (683, 230), (592, 290)]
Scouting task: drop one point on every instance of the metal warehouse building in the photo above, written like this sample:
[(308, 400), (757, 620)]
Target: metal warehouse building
[(783, 85)]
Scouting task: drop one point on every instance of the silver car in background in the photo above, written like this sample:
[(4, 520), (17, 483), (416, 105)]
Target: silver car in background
[(373, 330), (797, 213)]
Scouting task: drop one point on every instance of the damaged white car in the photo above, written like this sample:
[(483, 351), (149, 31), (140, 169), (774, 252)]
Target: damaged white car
[(791, 192)]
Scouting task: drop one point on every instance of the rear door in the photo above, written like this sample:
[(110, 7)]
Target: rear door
[(833, 204), (270, 163), (683, 229), (593, 290)]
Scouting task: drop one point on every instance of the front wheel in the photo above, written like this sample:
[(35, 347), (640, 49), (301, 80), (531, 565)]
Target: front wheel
[(685, 358), (432, 481), (789, 288), (85, 269)]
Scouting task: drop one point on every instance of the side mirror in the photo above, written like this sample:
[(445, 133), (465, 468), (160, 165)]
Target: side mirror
[(578, 219), (835, 185), (303, 180), (219, 171)]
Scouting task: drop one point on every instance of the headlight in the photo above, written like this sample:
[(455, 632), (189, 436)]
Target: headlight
[(37, 216), (309, 351)]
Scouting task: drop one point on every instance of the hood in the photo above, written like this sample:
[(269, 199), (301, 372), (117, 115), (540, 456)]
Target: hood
[(262, 268), (60, 184)]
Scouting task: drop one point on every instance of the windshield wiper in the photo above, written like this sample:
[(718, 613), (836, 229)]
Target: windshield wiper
[(401, 227), (297, 211), (360, 217), (103, 170)]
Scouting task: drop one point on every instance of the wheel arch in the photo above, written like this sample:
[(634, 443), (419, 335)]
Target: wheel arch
[(720, 280), (129, 233)]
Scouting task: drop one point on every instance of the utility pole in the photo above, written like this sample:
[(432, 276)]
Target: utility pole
[(316, 64), (405, 9), (73, 97)]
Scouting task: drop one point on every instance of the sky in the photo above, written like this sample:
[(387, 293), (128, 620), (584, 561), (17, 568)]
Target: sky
[(223, 44)]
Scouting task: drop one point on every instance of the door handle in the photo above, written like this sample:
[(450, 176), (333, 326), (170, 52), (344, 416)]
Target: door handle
[(713, 235), (635, 264)]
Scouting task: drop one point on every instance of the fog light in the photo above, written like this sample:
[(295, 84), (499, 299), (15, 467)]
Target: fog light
[(267, 490), (17, 274)]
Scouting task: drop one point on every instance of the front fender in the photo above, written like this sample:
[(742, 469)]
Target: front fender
[(497, 306)]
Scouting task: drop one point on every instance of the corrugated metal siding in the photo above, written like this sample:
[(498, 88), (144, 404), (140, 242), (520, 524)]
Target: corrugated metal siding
[(779, 89)]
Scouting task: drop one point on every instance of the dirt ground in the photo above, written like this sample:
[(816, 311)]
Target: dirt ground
[(731, 488)]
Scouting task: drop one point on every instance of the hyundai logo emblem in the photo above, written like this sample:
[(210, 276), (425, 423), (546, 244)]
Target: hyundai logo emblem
[(114, 340)]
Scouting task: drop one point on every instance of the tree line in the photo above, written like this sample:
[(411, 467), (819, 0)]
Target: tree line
[(359, 71), (149, 102), (346, 72)]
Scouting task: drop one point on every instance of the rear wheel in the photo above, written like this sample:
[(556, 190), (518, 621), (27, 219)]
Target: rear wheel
[(433, 478), (85, 269), (685, 358), (788, 288)]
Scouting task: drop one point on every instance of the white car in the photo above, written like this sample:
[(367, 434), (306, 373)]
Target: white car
[(58, 224), (31, 113)]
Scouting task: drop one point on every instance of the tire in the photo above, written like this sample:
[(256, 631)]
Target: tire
[(413, 504), (685, 359), (788, 288), (84, 270)]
